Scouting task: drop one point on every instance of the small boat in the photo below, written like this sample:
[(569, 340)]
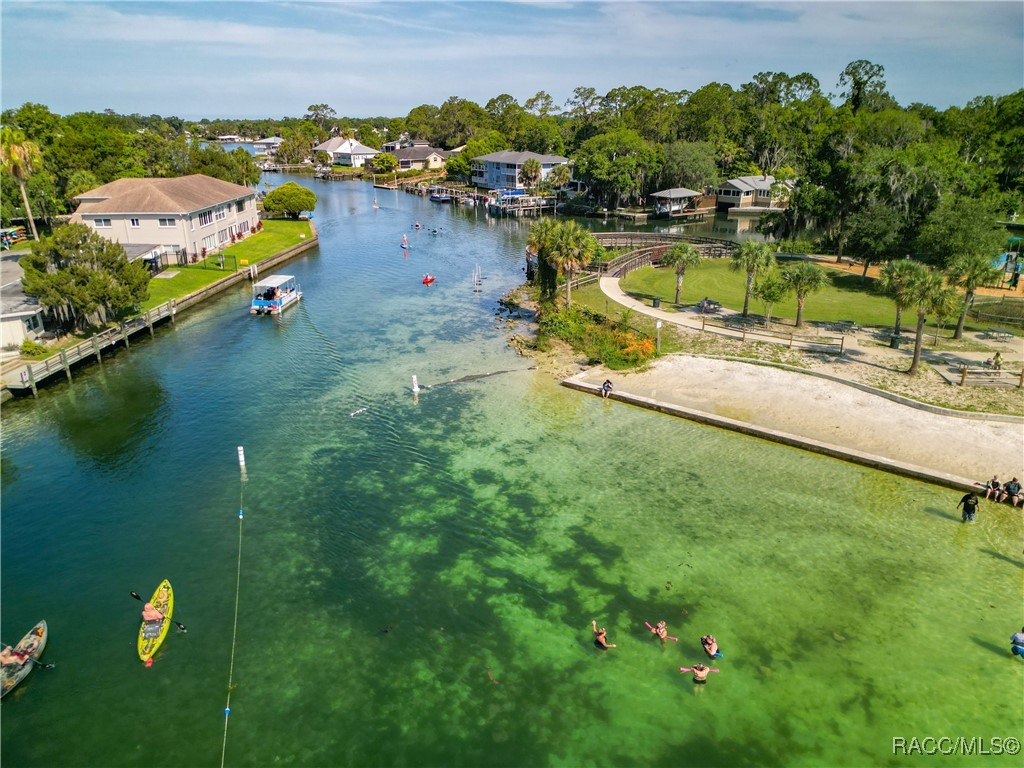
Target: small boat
[(428, 279), (468, 201), (440, 196), (152, 633), (272, 295), (33, 644)]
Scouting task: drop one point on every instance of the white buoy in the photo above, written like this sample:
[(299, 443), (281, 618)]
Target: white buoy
[(415, 384), (241, 461)]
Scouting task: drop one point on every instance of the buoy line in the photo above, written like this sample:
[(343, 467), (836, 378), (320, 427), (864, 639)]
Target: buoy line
[(238, 584)]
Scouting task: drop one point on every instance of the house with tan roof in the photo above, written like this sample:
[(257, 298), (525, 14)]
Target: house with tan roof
[(420, 155), (178, 217), (500, 170)]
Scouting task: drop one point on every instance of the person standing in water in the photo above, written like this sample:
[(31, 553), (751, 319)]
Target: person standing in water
[(601, 637)]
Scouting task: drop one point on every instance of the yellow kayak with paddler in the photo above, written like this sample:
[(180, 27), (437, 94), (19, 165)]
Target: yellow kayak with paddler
[(152, 633)]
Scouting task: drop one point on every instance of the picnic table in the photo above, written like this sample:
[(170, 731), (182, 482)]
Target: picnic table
[(1001, 334)]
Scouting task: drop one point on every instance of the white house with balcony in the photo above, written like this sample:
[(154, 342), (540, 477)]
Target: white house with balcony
[(180, 217), (346, 151), (753, 193), (500, 170)]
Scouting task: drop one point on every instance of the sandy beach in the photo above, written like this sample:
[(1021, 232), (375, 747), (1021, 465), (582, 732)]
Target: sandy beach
[(829, 412)]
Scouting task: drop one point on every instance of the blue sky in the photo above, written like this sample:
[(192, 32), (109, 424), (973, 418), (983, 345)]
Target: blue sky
[(274, 59)]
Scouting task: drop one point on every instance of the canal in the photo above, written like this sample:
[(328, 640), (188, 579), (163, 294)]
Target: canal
[(418, 575)]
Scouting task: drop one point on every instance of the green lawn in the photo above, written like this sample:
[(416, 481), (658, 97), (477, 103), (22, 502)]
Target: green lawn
[(847, 297), (276, 236)]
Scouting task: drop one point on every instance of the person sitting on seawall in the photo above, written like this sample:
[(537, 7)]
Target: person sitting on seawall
[(606, 388), (700, 672), (992, 488), (150, 614), (1017, 643), (1011, 491), (970, 504), (710, 646), (601, 637)]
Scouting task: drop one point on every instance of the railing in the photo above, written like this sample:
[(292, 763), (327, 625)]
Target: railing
[(977, 310), (745, 332)]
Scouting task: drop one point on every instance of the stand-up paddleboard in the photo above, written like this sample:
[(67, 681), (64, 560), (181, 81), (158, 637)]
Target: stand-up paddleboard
[(33, 644), (152, 633)]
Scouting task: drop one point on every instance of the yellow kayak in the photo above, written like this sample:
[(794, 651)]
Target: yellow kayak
[(152, 633)]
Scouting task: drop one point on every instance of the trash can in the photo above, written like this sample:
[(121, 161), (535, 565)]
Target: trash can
[(656, 301), (894, 342)]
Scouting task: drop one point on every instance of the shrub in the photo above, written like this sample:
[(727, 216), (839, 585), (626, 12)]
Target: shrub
[(591, 333), (33, 348)]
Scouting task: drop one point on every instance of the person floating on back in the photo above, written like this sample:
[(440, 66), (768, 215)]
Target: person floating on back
[(661, 630), (601, 637), (710, 646), (970, 504), (700, 673)]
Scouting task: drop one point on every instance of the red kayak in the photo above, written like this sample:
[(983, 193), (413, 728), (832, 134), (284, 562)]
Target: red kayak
[(428, 279)]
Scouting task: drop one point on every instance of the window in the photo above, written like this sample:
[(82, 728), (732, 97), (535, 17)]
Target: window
[(165, 222), (133, 223), (239, 206), (101, 223), (32, 323), (221, 213), (209, 242), (223, 236), (206, 217)]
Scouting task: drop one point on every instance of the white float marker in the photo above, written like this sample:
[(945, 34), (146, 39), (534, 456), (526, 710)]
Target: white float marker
[(241, 462), (415, 385)]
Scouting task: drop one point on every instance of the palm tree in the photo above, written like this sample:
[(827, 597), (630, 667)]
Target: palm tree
[(538, 246), (926, 291), (530, 173), (970, 271), (894, 277), (681, 256), (804, 278), (558, 177), (754, 259), (19, 157), (571, 248)]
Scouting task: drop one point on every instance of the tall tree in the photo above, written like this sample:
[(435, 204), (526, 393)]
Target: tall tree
[(538, 246), (19, 159), (770, 288), (321, 115), (864, 86), (618, 164), (681, 256), (754, 259), (804, 279)]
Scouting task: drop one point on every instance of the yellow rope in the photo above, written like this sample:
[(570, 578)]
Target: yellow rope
[(234, 627)]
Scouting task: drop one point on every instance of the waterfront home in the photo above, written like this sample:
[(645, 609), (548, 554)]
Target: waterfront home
[(180, 218), (268, 146), (420, 155), (752, 192), (21, 316), (673, 202), (346, 151), (500, 170)]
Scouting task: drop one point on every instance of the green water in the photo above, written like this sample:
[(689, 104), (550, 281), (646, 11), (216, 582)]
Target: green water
[(484, 526)]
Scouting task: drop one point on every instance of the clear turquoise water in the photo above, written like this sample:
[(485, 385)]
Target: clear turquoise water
[(486, 525)]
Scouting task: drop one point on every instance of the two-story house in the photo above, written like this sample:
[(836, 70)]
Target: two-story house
[(420, 155), (177, 217), (500, 170)]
